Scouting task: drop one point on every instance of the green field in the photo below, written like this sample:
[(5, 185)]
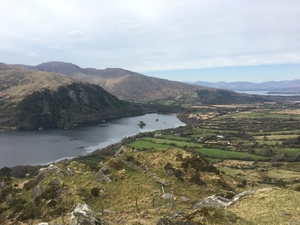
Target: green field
[(173, 137), (290, 151), (158, 143), (218, 153), (172, 142), (143, 144), (252, 115)]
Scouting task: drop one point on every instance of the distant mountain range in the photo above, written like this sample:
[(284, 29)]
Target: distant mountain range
[(289, 85), (124, 84), (63, 94)]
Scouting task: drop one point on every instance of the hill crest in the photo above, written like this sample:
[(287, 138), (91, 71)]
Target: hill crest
[(123, 83)]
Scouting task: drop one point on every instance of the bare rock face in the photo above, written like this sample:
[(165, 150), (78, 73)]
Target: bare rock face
[(167, 196), (9, 199), (221, 202), (83, 214), (43, 172), (120, 151), (61, 175), (102, 177), (69, 172), (2, 185), (36, 191)]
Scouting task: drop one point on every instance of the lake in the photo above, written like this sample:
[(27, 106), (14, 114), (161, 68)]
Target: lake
[(266, 93), (46, 146)]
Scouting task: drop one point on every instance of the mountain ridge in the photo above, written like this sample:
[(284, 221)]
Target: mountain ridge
[(30, 99), (285, 85), (123, 83)]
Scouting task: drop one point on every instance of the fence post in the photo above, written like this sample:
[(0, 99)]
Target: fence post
[(136, 204), (153, 202), (172, 201)]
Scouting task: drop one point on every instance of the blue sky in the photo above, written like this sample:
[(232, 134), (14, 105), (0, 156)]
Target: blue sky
[(190, 40), (256, 74)]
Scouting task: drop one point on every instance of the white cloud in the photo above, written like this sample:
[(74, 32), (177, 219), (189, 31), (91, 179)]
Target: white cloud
[(76, 34), (54, 47), (152, 35), (32, 54), (37, 40)]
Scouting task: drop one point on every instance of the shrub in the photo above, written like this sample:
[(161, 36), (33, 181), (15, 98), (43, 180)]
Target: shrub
[(52, 203), (30, 213), (195, 178), (168, 166), (113, 163), (2, 209), (95, 191), (297, 188), (179, 157), (58, 211), (30, 184), (133, 160)]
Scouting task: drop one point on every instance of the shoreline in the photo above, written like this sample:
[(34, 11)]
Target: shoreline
[(99, 151)]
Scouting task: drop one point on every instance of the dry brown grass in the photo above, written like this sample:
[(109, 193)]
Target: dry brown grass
[(269, 207), (289, 111), (278, 206), (229, 163), (201, 116), (239, 105), (130, 185), (20, 82)]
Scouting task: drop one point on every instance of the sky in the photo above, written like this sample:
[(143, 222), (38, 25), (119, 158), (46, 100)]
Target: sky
[(183, 40)]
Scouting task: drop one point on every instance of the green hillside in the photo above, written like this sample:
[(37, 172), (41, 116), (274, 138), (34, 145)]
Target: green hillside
[(71, 105)]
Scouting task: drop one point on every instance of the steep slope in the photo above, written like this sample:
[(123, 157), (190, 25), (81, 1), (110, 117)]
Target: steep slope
[(143, 187), (16, 83), (132, 188), (122, 83), (135, 87), (32, 99), (70, 105)]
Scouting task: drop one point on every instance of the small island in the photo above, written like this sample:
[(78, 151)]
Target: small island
[(142, 124)]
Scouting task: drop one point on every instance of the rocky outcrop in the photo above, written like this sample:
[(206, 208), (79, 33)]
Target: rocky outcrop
[(164, 221), (61, 175), (220, 202), (132, 165), (102, 177), (120, 151), (36, 191), (2, 185), (184, 199), (69, 172), (9, 199), (54, 182), (83, 214), (167, 196), (43, 172)]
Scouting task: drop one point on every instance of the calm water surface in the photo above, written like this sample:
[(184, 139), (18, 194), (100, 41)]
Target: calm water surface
[(43, 147), (265, 93)]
